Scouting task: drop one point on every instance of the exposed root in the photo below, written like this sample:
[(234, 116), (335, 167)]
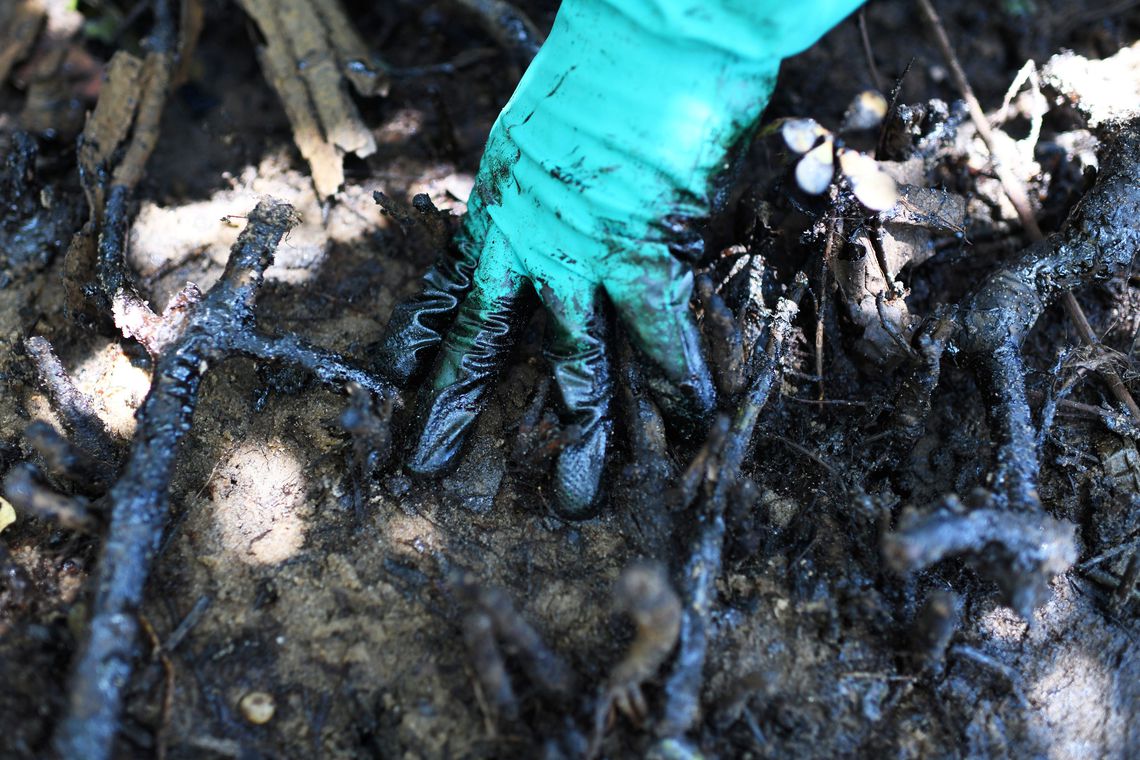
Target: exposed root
[(1022, 551), (508, 26), (66, 462), (1098, 241), (542, 665), (30, 496), (716, 469), (490, 667)]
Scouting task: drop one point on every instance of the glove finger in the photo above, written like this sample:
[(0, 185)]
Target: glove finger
[(417, 325), (655, 311), (575, 348), (472, 354)]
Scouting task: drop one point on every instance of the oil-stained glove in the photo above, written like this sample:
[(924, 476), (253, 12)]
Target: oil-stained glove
[(596, 173)]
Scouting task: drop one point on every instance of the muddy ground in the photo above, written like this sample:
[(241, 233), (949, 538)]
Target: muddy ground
[(284, 572)]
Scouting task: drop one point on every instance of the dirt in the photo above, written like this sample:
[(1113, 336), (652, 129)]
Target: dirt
[(283, 573)]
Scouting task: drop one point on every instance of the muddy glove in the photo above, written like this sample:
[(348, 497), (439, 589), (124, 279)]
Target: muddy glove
[(595, 176)]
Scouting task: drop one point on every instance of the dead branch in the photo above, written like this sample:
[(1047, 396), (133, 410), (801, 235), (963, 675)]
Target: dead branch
[(218, 327)]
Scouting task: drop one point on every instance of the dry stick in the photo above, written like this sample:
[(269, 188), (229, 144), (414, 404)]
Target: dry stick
[(867, 51), (367, 75), (1015, 191)]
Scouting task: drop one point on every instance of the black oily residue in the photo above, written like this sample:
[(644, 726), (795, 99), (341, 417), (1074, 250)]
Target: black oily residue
[(36, 220)]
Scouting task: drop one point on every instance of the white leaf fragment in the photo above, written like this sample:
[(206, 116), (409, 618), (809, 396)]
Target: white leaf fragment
[(801, 134), (874, 188), (815, 170)]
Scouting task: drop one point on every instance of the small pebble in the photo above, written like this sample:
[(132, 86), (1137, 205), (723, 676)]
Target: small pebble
[(257, 707), (7, 514)]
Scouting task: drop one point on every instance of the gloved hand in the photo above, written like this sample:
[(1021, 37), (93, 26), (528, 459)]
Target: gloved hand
[(595, 176)]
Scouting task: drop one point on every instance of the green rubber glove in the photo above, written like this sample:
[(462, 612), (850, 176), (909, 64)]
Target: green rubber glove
[(594, 183)]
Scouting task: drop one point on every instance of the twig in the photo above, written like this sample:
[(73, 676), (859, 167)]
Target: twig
[(1113, 552), (1111, 376), (1012, 677), (75, 408), (509, 26), (1108, 580), (192, 617), (1013, 188), (833, 230), (163, 657), (867, 51), (816, 458)]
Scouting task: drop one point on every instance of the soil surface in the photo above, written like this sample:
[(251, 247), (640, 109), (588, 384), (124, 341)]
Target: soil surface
[(285, 573)]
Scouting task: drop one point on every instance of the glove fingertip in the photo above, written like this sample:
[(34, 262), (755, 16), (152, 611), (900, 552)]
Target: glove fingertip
[(578, 477), (441, 438), (429, 461)]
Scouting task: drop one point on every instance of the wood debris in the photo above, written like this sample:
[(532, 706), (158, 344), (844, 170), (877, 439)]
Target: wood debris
[(128, 114), (58, 75), (19, 26), (310, 51), (869, 280)]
